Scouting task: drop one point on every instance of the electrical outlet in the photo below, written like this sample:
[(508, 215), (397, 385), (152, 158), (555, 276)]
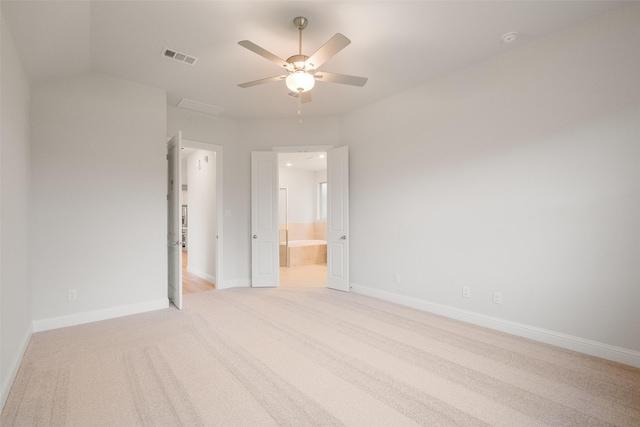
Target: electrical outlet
[(497, 297), (466, 291), (396, 279), (73, 294)]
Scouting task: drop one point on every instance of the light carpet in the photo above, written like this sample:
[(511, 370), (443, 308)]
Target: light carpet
[(309, 357)]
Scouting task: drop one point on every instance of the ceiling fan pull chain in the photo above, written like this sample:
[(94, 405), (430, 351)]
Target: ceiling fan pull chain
[(300, 107)]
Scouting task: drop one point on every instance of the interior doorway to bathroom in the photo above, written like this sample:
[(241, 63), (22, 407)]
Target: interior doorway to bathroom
[(303, 219)]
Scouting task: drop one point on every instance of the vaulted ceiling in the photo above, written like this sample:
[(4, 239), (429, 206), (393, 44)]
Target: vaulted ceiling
[(397, 45)]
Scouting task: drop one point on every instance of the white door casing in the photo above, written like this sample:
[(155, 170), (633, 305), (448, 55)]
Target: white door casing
[(338, 219), (174, 229), (265, 268)]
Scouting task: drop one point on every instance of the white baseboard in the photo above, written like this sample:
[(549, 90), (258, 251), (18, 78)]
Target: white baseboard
[(8, 379), (237, 283), (97, 315), (592, 348), (201, 274)]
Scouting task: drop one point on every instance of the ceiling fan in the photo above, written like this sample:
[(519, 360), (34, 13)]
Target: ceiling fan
[(301, 70)]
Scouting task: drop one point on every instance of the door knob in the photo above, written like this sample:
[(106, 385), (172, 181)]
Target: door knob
[(255, 237), (344, 237)]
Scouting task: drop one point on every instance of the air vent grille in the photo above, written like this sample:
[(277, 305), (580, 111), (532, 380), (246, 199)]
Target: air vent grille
[(179, 56)]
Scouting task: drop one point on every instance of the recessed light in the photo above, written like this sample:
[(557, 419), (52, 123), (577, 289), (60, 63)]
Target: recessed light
[(321, 156), (510, 37), (289, 164)]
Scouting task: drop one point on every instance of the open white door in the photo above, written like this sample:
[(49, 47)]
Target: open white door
[(265, 266), (338, 219), (174, 233)]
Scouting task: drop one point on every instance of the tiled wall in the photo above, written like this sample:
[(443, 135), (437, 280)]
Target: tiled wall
[(305, 255), (307, 231)]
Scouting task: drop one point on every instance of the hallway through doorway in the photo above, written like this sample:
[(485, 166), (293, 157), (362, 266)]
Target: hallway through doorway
[(190, 282)]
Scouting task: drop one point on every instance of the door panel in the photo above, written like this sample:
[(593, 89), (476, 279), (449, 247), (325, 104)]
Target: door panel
[(338, 219), (265, 271), (174, 215)]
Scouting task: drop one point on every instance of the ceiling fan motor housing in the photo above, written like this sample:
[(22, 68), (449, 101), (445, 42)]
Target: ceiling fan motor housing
[(299, 62)]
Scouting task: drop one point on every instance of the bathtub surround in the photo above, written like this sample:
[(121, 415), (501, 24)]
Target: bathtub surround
[(307, 244), (305, 252), (307, 231)]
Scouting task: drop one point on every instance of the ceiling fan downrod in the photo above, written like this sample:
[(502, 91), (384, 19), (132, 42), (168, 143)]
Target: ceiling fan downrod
[(301, 23)]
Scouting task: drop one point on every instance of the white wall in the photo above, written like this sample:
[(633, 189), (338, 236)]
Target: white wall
[(520, 175), (15, 192), (301, 194), (99, 218), (203, 215)]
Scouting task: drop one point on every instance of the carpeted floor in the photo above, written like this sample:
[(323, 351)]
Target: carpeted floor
[(305, 357)]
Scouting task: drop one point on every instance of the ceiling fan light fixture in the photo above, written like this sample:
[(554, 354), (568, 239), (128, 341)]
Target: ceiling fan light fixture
[(300, 81)]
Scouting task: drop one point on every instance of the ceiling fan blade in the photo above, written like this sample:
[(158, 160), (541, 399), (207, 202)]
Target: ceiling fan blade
[(344, 79), (264, 53), (334, 45), (262, 81)]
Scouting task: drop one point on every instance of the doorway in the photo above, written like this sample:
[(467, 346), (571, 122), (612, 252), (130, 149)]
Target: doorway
[(194, 202), (303, 219), (199, 219), (265, 229)]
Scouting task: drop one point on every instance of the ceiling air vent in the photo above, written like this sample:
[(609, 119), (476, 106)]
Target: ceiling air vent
[(179, 56)]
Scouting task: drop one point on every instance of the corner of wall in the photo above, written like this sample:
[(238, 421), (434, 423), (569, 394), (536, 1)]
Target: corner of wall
[(7, 380)]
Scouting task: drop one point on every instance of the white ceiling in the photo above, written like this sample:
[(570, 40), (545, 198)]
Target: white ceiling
[(396, 44)]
